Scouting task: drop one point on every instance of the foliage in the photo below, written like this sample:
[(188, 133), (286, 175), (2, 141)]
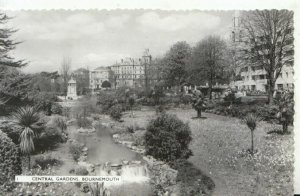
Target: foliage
[(56, 109), (160, 109), (251, 121), (28, 118), (97, 189), (75, 150), (10, 162), (60, 122), (46, 161), (81, 77), (167, 138), (193, 180), (13, 131), (116, 112), (44, 101), (175, 62), (130, 129), (106, 84), (81, 171), (285, 103), (230, 98), (157, 93), (7, 44), (131, 102), (83, 122), (48, 139), (106, 100), (208, 62), (268, 42)]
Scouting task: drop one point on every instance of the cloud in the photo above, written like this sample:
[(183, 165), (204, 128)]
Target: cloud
[(179, 21), (117, 21)]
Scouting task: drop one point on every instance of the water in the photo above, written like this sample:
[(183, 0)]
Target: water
[(102, 149)]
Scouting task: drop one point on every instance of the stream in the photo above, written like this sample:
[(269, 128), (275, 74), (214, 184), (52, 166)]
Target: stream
[(108, 156)]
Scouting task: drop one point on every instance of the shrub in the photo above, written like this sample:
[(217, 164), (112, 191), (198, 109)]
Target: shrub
[(75, 150), (60, 123), (44, 101), (46, 161), (10, 163), (106, 100), (83, 122), (185, 99), (49, 138), (116, 112), (160, 109), (81, 171), (130, 129), (167, 138), (56, 109), (13, 131)]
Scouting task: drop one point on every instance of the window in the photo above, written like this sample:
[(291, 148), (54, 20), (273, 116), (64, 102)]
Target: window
[(287, 74), (280, 75)]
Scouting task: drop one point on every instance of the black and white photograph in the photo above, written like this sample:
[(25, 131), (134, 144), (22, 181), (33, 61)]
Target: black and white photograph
[(146, 102)]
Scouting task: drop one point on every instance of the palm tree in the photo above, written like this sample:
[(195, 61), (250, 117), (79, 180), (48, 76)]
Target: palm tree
[(251, 121), (27, 117)]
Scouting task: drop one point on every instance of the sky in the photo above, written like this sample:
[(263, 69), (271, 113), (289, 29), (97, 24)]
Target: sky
[(100, 38)]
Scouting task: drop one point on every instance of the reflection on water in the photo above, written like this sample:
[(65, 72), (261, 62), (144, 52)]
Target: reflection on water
[(103, 149)]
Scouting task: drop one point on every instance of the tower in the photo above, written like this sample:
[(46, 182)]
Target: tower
[(72, 90)]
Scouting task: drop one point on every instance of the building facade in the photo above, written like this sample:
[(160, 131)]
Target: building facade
[(98, 76), (131, 72), (254, 77)]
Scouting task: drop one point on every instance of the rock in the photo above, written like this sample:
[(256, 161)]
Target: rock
[(116, 136), (115, 165), (84, 149), (136, 162), (125, 162), (89, 166)]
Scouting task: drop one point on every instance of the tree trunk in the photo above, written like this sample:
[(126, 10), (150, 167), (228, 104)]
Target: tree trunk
[(271, 91), (252, 141), (284, 127), (29, 160), (198, 113)]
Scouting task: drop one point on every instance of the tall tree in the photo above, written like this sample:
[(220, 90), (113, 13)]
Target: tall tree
[(175, 62), (208, 62), (7, 44), (65, 71), (82, 78), (268, 37)]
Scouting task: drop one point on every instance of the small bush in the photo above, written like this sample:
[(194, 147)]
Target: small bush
[(130, 129), (48, 139), (75, 150), (83, 122), (46, 161), (13, 131), (167, 138), (56, 109), (160, 109), (81, 171), (116, 112), (60, 123), (10, 163)]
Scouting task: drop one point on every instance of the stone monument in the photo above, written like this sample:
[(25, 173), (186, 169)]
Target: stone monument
[(72, 91)]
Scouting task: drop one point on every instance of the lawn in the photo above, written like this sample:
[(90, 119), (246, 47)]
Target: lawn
[(219, 146)]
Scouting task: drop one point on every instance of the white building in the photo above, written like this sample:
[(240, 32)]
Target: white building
[(131, 72), (254, 77), (98, 76)]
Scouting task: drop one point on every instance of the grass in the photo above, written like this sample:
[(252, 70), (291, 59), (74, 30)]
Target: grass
[(220, 147)]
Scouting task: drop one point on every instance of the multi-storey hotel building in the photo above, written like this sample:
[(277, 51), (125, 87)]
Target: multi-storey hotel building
[(254, 77)]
